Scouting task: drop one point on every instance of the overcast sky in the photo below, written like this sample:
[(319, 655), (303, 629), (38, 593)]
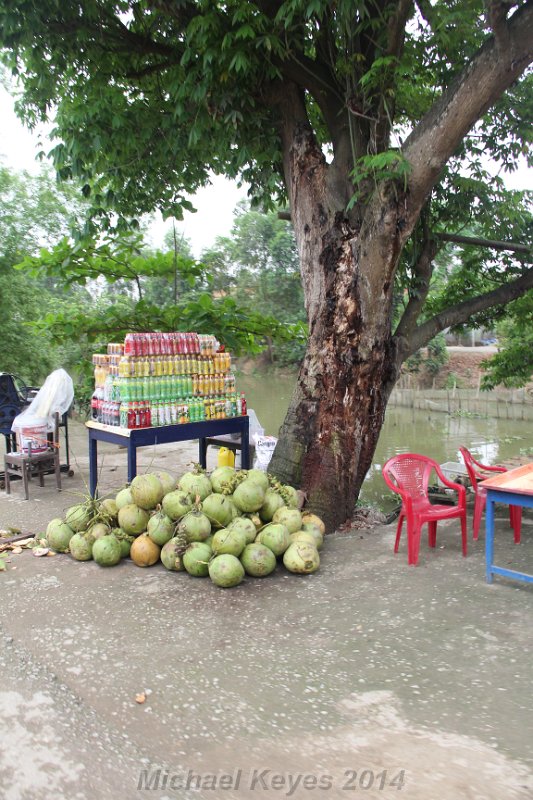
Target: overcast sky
[(215, 203)]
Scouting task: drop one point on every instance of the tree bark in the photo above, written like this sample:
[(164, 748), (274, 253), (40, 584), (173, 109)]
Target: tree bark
[(329, 436)]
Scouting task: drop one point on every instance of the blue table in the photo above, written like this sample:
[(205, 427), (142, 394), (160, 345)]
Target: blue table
[(515, 488), (143, 437)]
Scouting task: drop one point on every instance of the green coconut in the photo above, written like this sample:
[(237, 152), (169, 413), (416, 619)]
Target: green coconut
[(310, 527), (196, 526), (226, 571), (219, 509), (168, 481), (147, 491), (108, 509), (177, 503), (291, 497), (160, 528), (79, 517), (124, 498), (246, 526), (259, 477), (58, 535), (132, 519), (195, 484), (107, 551), (125, 540), (235, 513), (229, 541), (301, 558), (303, 536), (171, 554), (314, 520), (290, 517), (196, 559), (98, 530), (258, 560), (80, 548), (272, 502), (276, 537), (249, 496), (256, 519), (221, 477)]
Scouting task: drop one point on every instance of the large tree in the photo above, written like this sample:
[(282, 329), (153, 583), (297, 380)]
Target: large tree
[(368, 116)]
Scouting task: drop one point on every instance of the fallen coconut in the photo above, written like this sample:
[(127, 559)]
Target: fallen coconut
[(301, 558), (226, 571), (257, 560), (132, 519), (107, 551), (146, 491), (144, 552), (58, 535)]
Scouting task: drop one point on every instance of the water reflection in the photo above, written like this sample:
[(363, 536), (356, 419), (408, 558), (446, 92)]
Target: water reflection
[(433, 434)]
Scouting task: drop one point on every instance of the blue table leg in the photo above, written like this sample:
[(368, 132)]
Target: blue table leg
[(93, 444), (132, 460), (489, 541), (202, 452), (245, 448)]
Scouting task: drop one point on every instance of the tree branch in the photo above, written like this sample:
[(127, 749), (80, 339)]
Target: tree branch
[(492, 244), (395, 43), (422, 271), (461, 312), (480, 84)]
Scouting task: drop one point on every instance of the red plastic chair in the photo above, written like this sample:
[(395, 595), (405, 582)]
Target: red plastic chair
[(476, 472), (408, 475)]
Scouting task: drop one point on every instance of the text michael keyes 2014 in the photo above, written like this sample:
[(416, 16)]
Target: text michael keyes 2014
[(266, 779)]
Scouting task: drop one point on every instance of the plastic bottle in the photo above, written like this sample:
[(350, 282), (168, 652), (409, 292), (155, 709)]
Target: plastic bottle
[(226, 457), (94, 404), (128, 345), (243, 404)]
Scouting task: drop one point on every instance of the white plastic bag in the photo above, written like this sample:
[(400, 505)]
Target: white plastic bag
[(256, 429), (55, 396), (264, 448)]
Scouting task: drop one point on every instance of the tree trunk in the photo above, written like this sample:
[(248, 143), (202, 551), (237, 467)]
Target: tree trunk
[(329, 435)]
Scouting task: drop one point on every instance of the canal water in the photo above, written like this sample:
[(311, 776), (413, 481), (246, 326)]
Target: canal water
[(405, 430)]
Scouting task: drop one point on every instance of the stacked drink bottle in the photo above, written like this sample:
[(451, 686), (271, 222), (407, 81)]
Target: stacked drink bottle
[(156, 379)]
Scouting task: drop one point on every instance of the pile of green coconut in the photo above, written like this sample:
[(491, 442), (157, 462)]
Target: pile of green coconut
[(224, 525)]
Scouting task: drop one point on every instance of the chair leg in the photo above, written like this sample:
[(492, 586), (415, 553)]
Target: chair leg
[(479, 505), (57, 468), (399, 531), (515, 516), (464, 534), (432, 534), (8, 483), (413, 541), (25, 478)]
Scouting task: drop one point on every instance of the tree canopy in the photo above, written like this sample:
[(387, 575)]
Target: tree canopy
[(381, 125)]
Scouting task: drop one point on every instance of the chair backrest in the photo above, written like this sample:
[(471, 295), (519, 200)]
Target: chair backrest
[(409, 473), (470, 464)]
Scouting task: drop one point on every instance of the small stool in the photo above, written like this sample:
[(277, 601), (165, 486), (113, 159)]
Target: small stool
[(27, 464)]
